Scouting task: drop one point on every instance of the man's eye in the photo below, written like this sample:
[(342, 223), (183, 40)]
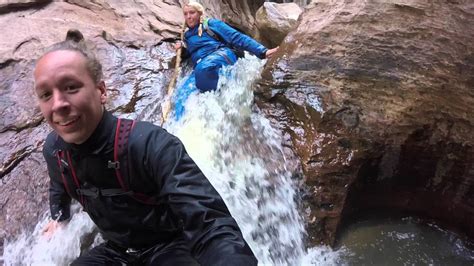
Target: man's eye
[(44, 96), (71, 88)]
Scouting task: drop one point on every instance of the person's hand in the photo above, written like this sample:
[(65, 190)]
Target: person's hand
[(50, 228), (270, 52), (178, 45)]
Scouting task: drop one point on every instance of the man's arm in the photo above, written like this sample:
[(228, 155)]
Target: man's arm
[(59, 200)]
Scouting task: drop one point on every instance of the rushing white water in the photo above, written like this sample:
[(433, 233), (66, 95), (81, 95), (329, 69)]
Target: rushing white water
[(60, 249), (240, 153)]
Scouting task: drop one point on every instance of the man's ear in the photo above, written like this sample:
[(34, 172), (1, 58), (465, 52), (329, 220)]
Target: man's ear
[(103, 92)]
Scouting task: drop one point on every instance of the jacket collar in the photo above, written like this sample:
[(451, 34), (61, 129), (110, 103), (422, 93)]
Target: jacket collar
[(103, 135)]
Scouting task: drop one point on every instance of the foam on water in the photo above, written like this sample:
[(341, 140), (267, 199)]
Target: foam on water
[(240, 153), (63, 246)]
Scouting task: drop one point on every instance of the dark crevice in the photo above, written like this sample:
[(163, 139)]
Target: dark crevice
[(3, 204), (167, 22), (129, 70), (17, 7), (165, 32), (172, 2), (24, 42), (8, 63), (130, 106), (132, 46), (22, 126), (14, 160), (112, 41)]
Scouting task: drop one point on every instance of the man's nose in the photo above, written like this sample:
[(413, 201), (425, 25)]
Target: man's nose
[(60, 101)]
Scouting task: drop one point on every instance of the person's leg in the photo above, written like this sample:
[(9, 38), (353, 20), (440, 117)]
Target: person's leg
[(182, 95), (101, 255), (207, 75), (176, 253), (207, 71)]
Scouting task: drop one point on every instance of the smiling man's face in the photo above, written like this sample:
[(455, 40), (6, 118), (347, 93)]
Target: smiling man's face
[(69, 98)]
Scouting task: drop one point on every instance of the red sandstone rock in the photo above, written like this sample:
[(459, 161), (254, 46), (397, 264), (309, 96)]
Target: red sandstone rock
[(378, 98)]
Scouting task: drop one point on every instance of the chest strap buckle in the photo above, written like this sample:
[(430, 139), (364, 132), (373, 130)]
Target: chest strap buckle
[(113, 165), (92, 192)]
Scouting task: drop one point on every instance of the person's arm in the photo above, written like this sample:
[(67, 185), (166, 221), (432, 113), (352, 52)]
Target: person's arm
[(184, 52), (239, 40), (213, 235), (50, 228), (59, 200), (269, 53)]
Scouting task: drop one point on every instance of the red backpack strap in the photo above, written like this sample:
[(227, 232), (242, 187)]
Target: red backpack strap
[(122, 133), (121, 161), (68, 175)]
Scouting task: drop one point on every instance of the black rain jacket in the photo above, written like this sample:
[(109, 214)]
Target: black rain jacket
[(160, 167)]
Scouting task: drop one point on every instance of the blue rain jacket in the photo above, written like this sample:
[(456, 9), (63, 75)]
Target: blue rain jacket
[(209, 54)]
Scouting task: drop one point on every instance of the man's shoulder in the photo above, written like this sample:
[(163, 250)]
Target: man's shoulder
[(146, 133), (51, 140), (149, 142), (50, 144), (144, 127), (143, 130)]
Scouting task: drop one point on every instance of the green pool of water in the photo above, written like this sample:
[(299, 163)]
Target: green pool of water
[(403, 241)]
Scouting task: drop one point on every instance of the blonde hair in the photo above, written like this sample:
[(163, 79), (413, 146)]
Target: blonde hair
[(198, 7)]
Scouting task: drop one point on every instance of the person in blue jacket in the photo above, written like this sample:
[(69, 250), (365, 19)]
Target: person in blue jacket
[(209, 42)]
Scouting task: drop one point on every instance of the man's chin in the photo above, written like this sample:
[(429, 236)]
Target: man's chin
[(72, 138)]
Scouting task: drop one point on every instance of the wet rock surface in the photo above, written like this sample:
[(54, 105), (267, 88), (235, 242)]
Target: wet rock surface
[(275, 21), (377, 98), (239, 14)]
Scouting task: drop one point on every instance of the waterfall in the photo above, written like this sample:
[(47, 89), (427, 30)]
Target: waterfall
[(240, 152)]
